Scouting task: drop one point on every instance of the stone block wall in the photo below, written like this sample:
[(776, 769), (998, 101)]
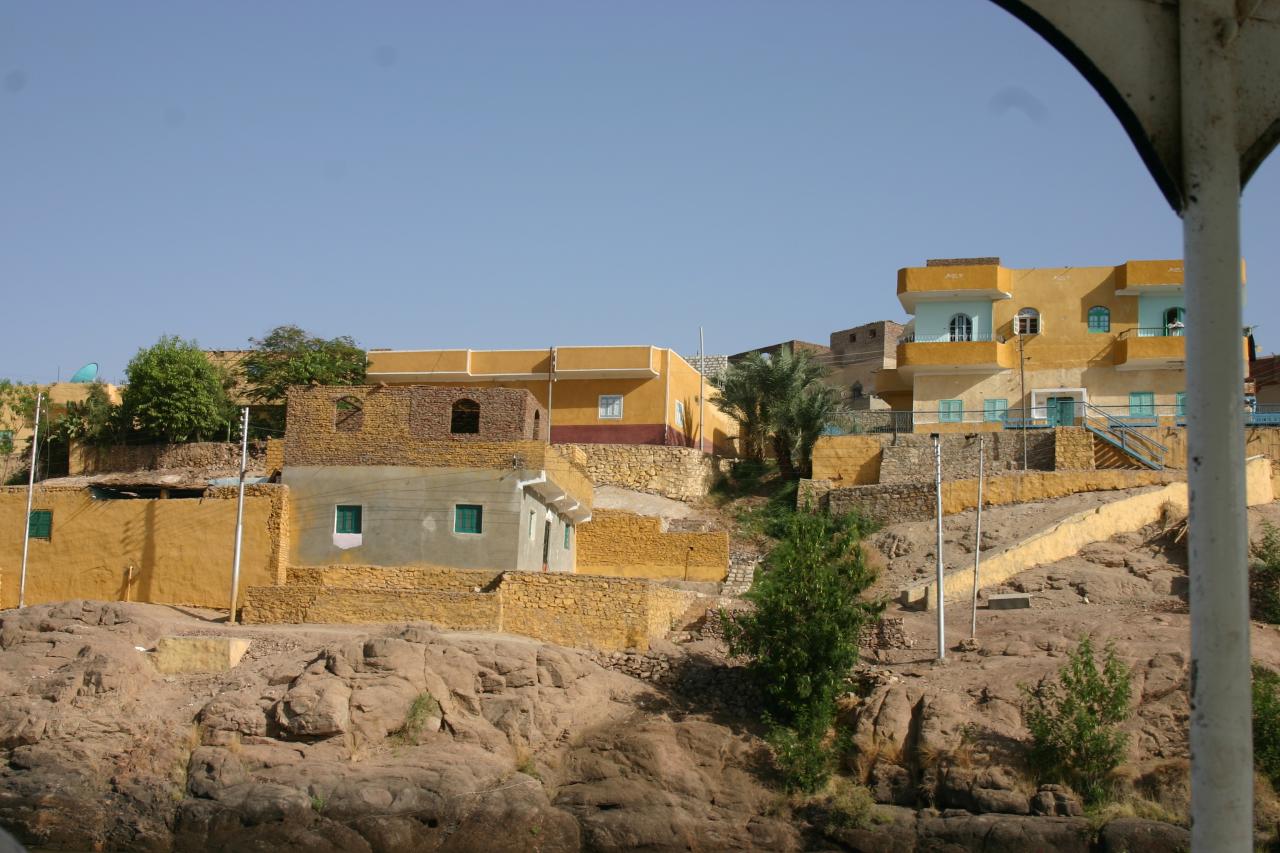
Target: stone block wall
[(401, 577), (680, 473), (1072, 449), (623, 544), (856, 460), (214, 455), (273, 463), (895, 502), (462, 611)]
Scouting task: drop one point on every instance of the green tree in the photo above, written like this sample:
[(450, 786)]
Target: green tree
[(802, 636), (1075, 721), (778, 401), (95, 421), (1266, 723), (175, 394), (17, 412), (1264, 577), (288, 356)]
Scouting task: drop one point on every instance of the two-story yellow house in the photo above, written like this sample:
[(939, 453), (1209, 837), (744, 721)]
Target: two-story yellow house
[(592, 395), (990, 346)]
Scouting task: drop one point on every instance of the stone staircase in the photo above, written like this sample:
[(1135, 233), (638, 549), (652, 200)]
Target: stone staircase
[(742, 572)]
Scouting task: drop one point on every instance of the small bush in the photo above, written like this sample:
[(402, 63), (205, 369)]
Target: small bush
[(424, 707), (1074, 721), (801, 753), (847, 805), (1264, 577), (1266, 723)]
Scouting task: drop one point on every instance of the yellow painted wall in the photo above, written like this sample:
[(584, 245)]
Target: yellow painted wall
[(181, 549), (621, 544), (848, 460), (686, 386)]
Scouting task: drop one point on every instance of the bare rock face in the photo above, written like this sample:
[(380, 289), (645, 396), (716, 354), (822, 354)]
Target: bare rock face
[(401, 739)]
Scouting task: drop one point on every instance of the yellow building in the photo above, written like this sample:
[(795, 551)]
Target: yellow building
[(16, 427), (594, 395), (989, 346)]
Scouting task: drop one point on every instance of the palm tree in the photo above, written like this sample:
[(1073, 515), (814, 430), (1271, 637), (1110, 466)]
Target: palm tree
[(779, 400)]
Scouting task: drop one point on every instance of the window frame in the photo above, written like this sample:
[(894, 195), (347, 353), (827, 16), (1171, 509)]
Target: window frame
[(1103, 313), (568, 540), (1180, 404), (1146, 409), (1030, 316), (34, 529), (995, 414), (358, 515), (467, 413), (477, 517), (948, 414), (967, 332), (602, 411)]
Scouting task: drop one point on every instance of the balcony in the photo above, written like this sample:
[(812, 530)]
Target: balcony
[(1134, 278), (943, 283), (925, 355), (1157, 348)]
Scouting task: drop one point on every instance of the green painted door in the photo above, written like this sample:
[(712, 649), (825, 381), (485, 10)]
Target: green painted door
[(1062, 411)]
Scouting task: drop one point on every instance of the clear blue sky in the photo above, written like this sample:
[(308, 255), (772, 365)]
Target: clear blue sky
[(521, 174)]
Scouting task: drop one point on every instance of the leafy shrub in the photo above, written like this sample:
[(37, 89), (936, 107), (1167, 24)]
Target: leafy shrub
[(1264, 577), (1074, 721), (847, 805), (1266, 723), (802, 637)]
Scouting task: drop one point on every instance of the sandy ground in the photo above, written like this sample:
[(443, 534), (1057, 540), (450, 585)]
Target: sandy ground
[(642, 503)]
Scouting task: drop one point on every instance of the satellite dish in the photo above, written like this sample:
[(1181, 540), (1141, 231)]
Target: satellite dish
[(88, 373)]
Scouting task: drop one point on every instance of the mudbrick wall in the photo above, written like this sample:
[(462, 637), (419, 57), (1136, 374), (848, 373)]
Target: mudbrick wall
[(85, 460), (680, 473), (627, 545), (572, 610)]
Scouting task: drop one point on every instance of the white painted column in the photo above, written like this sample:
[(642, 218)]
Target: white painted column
[(1221, 711)]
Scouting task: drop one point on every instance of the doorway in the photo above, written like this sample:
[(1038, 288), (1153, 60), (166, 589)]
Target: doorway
[(1061, 411), (546, 542)]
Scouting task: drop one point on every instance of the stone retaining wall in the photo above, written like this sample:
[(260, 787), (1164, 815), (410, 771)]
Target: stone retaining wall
[(570, 610), (857, 460), (680, 473), (889, 504)]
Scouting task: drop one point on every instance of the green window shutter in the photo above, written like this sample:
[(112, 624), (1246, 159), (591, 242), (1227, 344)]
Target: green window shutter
[(950, 411), (995, 410), (468, 518), (40, 524), (1142, 404), (1099, 319), (1180, 404), (567, 528), (348, 519)]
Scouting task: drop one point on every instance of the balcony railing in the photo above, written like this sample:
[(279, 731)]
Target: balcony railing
[(1154, 332), (890, 421), (948, 338)]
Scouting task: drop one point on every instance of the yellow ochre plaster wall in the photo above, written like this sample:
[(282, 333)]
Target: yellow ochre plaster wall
[(180, 549), (621, 544)]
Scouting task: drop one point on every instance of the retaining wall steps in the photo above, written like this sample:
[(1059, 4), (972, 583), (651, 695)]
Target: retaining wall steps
[(741, 575)]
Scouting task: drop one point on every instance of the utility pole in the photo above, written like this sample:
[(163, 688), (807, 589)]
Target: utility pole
[(1022, 378), (942, 596), (702, 392), (244, 464), (31, 488), (551, 385), (977, 543)]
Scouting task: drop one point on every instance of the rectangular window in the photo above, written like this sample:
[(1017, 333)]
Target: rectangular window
[(40, 524), (950, 411), (348, 518), (995, 410), (567, 533), (1142, 404), (610, 407), (468, 518), (679, 413), (533, 531), (1180, 404)]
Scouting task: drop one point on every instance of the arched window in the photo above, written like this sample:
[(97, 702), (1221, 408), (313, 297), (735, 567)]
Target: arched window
[(348, 414), (466, 417), (1099, 319), (1027, 322), (960, 328), (537, 424)]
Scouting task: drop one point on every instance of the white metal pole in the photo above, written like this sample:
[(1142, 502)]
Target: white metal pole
[(31, 488), (702, 392), (942, 596), (977, 544), (551, 386), (244, 465), (1221, 725)]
